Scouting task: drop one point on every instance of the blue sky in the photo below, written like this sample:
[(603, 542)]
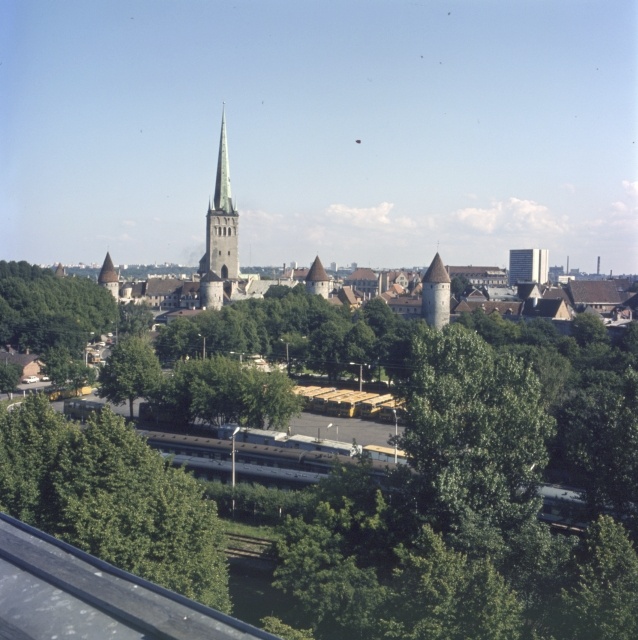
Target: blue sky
[(484, 125)]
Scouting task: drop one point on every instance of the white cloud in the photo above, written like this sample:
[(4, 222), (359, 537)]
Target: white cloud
[(128, 223), (368, 217), (631, 188), (512, 216)]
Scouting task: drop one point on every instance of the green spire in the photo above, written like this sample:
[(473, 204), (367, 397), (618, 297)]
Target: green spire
[(223, 199)]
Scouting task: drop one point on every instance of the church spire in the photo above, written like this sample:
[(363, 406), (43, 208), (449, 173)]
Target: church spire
[(223, 199)]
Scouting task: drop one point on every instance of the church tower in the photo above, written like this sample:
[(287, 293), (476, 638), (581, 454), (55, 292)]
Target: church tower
[(222, 222), (435, 306)]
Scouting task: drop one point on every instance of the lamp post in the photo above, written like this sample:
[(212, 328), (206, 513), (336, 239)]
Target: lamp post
[(331, 425), (203, 346), (287, 355), (396, 434), (235, 432), (237, 353), (358, 364)]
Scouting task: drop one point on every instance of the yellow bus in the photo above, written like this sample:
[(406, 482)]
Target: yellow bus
[(373, 406), (308, 393), (350, 406), (63, 394), (319, 402), (386, 413)]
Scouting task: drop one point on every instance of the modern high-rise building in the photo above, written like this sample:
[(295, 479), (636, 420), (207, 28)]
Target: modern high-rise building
[(528, 265)]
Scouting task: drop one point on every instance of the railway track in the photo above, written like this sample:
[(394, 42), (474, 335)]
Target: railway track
[(256, 552)]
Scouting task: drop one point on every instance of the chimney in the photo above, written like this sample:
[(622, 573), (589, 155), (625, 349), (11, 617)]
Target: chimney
[(567, 266), (598, 267)]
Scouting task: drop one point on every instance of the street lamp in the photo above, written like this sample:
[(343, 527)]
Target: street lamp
[(287, 355), (236, 353), (330, 425), (204, 346), (235, 432), (396, 435), (357, 364)]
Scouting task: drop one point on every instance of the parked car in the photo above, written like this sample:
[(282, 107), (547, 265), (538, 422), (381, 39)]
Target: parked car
[(44, 379), (30, 379)]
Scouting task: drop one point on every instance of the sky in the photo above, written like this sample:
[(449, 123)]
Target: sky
[(484, 126)]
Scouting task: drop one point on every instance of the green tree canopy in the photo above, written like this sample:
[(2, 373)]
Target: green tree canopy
[(477, 430), (132, 371), (602, 604)]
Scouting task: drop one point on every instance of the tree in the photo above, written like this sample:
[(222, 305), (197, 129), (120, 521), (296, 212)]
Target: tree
[(329, 588), (437, 594), (602, 603), (135, 319), (179, 339), (477, 430), (9, 376), (599, 431), (30, 437), (132, 371), (114, 497), (63, 369), (588, 329), (326, 348), (282, 630)]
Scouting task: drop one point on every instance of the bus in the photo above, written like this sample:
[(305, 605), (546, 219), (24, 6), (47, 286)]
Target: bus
[(373, 406), (319, 402), (308, 393), (350, 406), (387, 412)]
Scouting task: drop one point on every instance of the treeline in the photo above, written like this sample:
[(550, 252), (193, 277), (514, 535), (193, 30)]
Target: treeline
[(39, 311)]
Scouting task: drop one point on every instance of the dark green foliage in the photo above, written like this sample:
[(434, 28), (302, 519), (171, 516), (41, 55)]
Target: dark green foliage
[(64, 370), (477, 431), (103, 490), (600, 437), (602, 601), (132, 371), (39, 311), (220, 390), (256, 504), (134, 319), (10, 375)]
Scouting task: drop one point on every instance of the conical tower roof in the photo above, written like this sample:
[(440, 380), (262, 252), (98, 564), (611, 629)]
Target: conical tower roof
[(317, 273), (211, 276), (437, 273), (223, 200), (108, 272), (59, 271)]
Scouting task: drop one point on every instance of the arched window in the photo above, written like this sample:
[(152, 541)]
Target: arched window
[(224, 272)]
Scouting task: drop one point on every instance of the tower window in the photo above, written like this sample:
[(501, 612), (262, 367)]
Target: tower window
[(229, 253)]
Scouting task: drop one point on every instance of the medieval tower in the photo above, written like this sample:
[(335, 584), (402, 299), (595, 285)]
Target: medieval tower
[(435, 307), (317, 280), (222, 222), (108, 277)]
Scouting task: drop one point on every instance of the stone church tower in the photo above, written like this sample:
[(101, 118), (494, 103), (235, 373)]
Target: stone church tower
[(108, 277), (317, 280), (435, 306), (222, 222)]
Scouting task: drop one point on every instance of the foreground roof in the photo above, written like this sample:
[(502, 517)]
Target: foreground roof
[(52, 589)]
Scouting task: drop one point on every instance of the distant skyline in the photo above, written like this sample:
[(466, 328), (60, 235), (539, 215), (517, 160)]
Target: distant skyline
[(483, 127)]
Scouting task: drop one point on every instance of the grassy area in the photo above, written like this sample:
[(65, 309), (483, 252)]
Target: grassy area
[(256, 531)]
